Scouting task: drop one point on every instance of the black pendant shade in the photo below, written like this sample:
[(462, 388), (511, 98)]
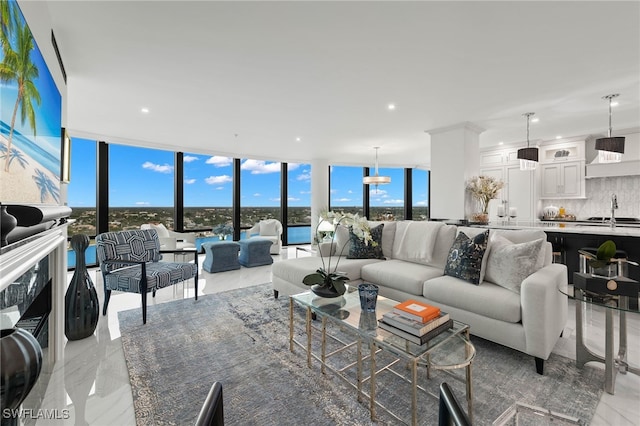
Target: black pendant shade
[(612, 144), (530, 154)]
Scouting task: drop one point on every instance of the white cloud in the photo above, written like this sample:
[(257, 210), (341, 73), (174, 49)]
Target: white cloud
[(259, 167), (292, 166), (143, 203), (257, 194), (189, 181), (333, 191), (349, 192), (165, 168), (378, 193), (220, 188), (189, 158), (275, 199), (305, 192), (213, 180), (394, 201), (422, 203), (293, 199), (343, 200), (219, 161), (304, 176)]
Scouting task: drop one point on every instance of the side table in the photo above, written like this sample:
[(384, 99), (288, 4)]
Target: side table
[(612, 294)]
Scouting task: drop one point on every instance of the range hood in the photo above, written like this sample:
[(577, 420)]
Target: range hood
[(629, 166)]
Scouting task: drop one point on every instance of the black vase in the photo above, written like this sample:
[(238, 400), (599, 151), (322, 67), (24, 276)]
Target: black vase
[(21, 363), (81, 300), (7, 223)]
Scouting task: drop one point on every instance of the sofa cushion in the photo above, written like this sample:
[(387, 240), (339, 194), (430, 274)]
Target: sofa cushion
[(400, 275), (359, 249), (268, 228), (162, 231), (294, 270), (343, 243), (388, 236), (486, 299), (414, 241), (465, 257), (444, 240), (522, 236), (509, 264)]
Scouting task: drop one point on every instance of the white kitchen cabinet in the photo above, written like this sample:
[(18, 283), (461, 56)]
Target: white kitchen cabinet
[(562, 180), (518, 191)]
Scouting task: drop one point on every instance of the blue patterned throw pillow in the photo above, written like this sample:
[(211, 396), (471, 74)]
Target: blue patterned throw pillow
[(359, 250), (465, 257)]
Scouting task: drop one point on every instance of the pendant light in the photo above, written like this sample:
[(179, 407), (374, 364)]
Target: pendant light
[(376, 179), (528, 156), (610, 149)]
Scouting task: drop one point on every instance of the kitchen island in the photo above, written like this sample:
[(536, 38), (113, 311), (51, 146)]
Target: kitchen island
[(568, 237)]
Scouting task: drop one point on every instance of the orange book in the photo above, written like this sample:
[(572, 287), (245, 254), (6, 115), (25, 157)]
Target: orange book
[(418, 311)]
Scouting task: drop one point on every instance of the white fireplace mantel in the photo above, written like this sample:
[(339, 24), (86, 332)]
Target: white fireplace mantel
[(21, 256)]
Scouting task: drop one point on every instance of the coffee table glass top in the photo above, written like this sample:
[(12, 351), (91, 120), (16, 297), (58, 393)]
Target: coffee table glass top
[(450, 348)]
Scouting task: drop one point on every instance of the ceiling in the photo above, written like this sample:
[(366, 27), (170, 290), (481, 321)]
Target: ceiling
[(246, 79)]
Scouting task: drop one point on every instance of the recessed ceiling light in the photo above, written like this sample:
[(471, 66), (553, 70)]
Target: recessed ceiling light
[(144, 110), (614, 104), (535, 120), (298, 139), (558, 137), (500, 143), (391, 107)]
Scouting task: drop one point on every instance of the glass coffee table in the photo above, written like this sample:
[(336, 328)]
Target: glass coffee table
[(449, 350)]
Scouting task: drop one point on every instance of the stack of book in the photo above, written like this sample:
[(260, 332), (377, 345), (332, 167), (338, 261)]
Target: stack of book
[(416, 321)]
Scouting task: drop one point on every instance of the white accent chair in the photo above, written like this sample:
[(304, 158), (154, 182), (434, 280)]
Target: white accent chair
[(171, 240), (271, 229)]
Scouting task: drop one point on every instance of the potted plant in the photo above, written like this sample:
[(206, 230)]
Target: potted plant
[(484, 189), (327, 281), (600, 264), (222, 230)]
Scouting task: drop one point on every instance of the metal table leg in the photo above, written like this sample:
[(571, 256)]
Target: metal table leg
[(583, 354)]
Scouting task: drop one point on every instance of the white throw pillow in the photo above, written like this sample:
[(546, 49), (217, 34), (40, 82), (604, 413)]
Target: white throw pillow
[(414, 241), (161, 230), (341, 238), (508, 264), (268, 228)]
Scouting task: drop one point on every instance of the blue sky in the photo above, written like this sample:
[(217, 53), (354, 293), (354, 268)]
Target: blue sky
[(144, 177)]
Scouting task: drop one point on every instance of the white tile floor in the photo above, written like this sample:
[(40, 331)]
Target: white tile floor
[(92, 383)]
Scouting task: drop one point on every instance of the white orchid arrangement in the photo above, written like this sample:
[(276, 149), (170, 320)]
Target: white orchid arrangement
[(324, 276)]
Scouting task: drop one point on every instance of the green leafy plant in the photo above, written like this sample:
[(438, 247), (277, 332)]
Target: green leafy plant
[(603, 255)]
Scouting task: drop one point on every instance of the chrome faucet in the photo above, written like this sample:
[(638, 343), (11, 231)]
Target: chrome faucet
[(614, 206)]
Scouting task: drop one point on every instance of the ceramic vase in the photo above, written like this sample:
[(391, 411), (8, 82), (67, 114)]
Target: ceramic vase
[(20, 366), (81, 300)]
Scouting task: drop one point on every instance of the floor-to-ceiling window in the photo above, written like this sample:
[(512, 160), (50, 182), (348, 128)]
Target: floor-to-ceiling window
[(387, 201), (346, 189), (259, 191), (140, 187), (208, 192), (420, 194), (81, 196), (298, 203)]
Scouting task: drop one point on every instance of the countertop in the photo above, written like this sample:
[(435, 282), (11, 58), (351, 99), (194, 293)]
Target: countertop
[(568, 227)]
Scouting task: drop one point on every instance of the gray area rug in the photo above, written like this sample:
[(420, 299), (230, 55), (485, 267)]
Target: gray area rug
[(240, 338)]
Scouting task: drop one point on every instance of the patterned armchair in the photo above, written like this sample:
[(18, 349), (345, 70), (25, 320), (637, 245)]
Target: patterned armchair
[(130, 261), (271, 229)]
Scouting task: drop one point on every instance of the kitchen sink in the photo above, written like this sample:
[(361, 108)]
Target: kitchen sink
[(619, 220)]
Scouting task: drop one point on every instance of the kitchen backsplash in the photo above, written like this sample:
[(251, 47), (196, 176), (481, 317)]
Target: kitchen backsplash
[(598, 201)]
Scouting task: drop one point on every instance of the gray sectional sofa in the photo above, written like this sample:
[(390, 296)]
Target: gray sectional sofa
[(526, 312)]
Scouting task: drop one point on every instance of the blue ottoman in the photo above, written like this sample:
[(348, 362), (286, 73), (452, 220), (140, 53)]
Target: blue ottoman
[(221, 256), (255, 252)]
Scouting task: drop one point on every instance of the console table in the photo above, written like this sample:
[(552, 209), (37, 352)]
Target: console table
[(613, 295)]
